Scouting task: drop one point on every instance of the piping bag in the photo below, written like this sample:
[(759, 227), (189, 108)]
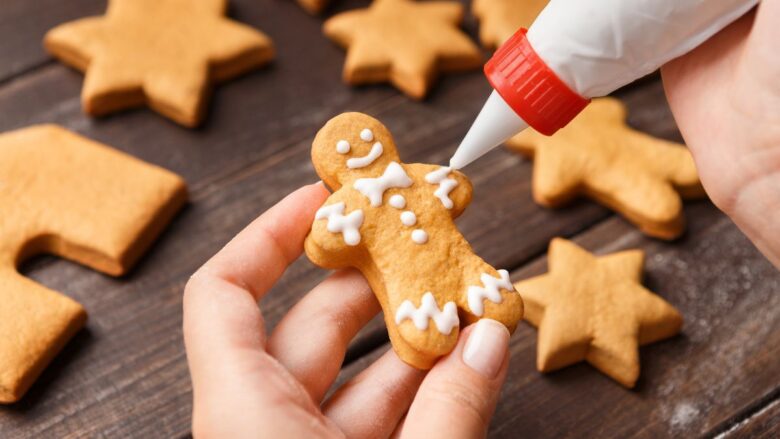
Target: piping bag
[(580, 49)]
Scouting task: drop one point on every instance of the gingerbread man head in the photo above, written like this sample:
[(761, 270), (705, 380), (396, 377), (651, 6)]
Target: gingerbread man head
[(352, 145), (394, 222)]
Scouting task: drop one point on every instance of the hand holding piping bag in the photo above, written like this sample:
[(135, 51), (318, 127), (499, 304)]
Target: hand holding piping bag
[(720, 74)]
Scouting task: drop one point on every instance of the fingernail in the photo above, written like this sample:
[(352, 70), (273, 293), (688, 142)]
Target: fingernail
[(486, 347)]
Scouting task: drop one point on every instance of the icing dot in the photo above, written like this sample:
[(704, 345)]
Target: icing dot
[(367, 135), (342, 147), (398, 201), (408, 218), (419, 236)]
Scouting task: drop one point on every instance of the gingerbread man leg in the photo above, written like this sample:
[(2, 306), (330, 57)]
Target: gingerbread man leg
[(424, 331), (489, 294)]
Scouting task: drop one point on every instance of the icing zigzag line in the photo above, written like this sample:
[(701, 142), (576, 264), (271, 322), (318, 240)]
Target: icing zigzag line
[(446, 185), (490, 291), (445, 319)]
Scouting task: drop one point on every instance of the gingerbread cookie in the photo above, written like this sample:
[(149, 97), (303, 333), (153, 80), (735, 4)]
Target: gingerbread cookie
[(405, 42), (595, 309), (395, 223), (599, 156), (64, 194), (500, 19), (163, 53)]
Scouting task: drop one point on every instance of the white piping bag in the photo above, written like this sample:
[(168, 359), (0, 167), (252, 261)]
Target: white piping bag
[(580, 49)]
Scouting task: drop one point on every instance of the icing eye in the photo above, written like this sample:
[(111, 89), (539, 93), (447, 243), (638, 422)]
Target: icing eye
[(342, 147), (367, 135)]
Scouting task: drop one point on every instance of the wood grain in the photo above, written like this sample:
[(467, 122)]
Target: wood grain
[(126, 374), (764, 424), (23, 24)]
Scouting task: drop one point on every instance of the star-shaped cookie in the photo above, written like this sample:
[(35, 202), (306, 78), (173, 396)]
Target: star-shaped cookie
[(500, 19), (162, 53), (405, 42), (599, 156), (595, 309)]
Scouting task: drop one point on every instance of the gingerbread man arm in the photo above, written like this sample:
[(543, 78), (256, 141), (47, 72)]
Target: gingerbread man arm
[(451, 187), (335, 235)]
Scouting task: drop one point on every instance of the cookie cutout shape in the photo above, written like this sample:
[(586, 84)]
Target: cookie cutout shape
[(595, 309), (162, 53), (500, 19), (64, 194), (405, 42), (599, 156), (393, 224)]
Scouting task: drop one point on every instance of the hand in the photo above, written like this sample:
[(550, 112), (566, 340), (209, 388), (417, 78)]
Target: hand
[(247, 384), (725, 96)]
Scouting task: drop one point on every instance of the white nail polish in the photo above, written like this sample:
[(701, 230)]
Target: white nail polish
[(486, 347)]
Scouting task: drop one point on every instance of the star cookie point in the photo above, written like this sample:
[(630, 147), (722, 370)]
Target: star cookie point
[(500, 19)]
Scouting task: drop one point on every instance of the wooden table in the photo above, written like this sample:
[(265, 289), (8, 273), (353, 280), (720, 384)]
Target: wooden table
[(125, 374)]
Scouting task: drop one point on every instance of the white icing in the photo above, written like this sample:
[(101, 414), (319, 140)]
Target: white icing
[(398, 201), (408, 218), (367, 135), (342, 147), (362, 162), (476, 295), (374, 188), (445, 319), (348, 226), (446, 185), (419, 236)]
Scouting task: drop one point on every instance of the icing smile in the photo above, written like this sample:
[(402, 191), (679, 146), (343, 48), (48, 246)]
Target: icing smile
[(362, 162)]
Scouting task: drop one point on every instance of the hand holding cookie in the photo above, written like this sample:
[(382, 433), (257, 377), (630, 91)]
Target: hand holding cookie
[(240, 375)]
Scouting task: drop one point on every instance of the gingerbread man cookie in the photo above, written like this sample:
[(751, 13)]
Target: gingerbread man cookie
[(599, 156), (395, 223), (63, 194), (405, 42), (595, 309), (500, 19), (162, 53)]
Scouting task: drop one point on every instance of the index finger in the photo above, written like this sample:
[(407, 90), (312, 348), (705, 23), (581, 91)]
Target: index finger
[(224, 333), (221, 316), (256, 257)]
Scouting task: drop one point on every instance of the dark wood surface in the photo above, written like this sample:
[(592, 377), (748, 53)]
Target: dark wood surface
[(125, 374)]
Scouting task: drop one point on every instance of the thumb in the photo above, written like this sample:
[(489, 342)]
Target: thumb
[(458, 396)]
